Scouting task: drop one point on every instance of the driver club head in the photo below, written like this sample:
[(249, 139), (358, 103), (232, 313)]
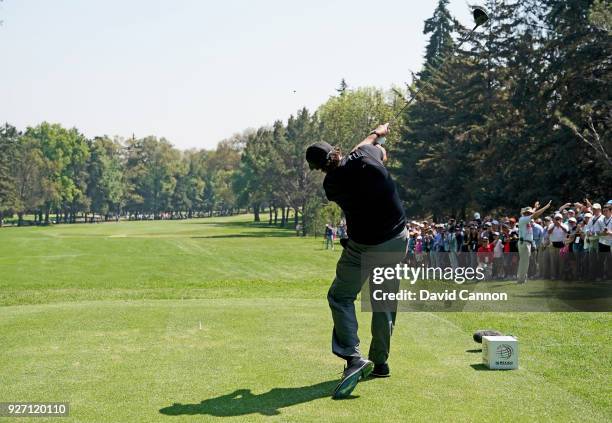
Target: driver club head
[(481, 15)]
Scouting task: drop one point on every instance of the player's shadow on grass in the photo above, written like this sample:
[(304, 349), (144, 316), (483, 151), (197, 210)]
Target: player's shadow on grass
[(242, 402)]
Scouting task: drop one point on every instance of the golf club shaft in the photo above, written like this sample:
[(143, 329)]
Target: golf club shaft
[(409, 102)]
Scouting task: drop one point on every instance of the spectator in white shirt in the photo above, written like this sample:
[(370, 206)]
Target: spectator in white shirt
[(557, 232), (603, 229), (591, 233), (526, 238)]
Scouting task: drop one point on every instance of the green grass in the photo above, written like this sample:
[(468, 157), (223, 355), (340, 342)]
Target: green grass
[(210, 318)]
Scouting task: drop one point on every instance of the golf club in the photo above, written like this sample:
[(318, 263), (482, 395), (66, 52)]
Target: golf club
[(481, 16)]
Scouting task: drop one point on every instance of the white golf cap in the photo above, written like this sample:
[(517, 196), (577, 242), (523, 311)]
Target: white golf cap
[(572, 219), (558, 215), (597, 206), (588, 215)]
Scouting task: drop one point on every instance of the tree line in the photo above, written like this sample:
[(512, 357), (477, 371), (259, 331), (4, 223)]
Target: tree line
[(58, 175), (521, 112)]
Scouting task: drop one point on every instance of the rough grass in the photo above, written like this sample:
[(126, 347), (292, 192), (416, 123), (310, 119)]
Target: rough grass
[(219, 318)]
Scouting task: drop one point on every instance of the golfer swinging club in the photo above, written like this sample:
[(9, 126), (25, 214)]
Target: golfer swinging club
[(361, 185)]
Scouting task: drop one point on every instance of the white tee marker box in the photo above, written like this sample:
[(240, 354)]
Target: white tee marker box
[(500, 352)]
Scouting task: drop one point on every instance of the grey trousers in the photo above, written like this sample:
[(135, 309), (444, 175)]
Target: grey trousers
[(343, 292), (524, 259)]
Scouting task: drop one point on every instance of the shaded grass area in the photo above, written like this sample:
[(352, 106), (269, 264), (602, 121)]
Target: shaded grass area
[(189, 321)]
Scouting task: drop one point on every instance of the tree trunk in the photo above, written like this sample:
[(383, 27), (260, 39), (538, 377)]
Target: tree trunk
[(283, 216), (20, 218), (295, 218), (270, 212), (303, 219), (275, 215), (47, 217), (256, 212)]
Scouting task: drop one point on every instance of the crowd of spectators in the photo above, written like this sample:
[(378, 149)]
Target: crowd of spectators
[(571, 243)]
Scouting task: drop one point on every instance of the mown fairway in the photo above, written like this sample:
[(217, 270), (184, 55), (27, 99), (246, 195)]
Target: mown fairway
[(222, 319)]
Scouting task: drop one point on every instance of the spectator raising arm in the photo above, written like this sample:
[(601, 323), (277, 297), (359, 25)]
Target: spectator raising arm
[(563, 207), (539, 212)]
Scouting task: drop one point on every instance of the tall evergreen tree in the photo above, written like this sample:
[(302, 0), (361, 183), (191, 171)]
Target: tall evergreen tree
[(343, 87), (578, 78), (440, 29)]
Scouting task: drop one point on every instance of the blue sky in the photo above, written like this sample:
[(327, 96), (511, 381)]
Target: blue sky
[(194, 71)]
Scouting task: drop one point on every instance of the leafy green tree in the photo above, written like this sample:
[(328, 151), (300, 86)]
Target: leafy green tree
[(347, 119), (299, 183), (28, 170), (9, 145), (600, 15), (152, 169), (66, 152), (104, 169), (254, 178), (193, 182)]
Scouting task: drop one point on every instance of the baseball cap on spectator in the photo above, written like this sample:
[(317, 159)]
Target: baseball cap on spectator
[(609, 203), (572, 219), (488, 224), (476, 215), (588, 215), (558, 215), (527, 210), (571, 211), (596, 206)]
